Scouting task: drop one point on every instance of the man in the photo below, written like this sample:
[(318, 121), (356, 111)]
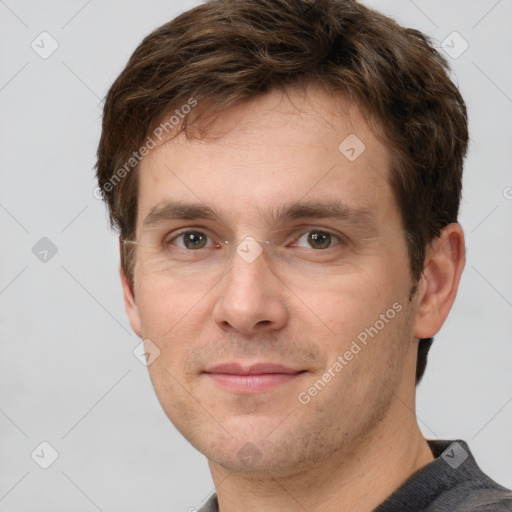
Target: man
[(285, 177)]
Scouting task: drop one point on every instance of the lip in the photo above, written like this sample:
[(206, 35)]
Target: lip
[(253, 369), (255, 378)]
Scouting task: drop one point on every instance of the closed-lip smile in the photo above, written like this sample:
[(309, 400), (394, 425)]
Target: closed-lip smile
[(253, 378)]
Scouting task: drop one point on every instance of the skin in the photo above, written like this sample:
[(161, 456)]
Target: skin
[(358, 439)]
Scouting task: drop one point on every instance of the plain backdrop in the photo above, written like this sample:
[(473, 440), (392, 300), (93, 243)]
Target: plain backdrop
[(68, 376)]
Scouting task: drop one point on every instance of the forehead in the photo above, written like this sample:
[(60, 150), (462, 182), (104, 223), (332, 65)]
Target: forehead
[(277, 149)]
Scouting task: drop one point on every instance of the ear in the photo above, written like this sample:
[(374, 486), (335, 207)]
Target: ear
[(444, 262), (129, 298)]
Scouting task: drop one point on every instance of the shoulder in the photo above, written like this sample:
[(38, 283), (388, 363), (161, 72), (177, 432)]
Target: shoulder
[(483, 496), (480, 500), (469, 489), (211, 505)]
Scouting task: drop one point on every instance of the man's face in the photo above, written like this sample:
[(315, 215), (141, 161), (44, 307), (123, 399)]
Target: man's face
[(325, 288)]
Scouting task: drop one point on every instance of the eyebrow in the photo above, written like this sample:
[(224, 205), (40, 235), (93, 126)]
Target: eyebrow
[(335, 210)]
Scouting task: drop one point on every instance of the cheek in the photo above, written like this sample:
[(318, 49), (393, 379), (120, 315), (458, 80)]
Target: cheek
[(344, 305), (336, 309), (167, 305)]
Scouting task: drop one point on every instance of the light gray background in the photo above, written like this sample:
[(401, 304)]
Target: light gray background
[(68, 375)]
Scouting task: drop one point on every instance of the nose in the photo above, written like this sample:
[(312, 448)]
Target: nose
[(251, 298)]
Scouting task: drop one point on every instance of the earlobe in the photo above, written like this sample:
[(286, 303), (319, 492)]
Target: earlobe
[(130, 304), (444, 262)]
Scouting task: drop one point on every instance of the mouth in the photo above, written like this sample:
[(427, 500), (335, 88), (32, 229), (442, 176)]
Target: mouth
[(256, 378)]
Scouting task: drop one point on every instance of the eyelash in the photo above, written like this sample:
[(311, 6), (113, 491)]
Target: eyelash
[(342, 240)]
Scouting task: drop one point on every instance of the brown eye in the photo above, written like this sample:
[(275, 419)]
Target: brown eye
[(319, 239), (192, 240)]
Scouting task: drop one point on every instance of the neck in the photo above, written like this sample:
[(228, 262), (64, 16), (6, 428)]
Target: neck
[(352, 479)]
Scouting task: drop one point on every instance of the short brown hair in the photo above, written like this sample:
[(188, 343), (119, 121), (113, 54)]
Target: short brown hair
[(224, 52)]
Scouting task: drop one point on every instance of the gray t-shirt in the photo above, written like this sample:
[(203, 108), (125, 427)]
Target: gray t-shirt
[(452, 482)]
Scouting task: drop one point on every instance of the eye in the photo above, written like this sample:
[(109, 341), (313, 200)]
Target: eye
[(319, 239), (190, 240)]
